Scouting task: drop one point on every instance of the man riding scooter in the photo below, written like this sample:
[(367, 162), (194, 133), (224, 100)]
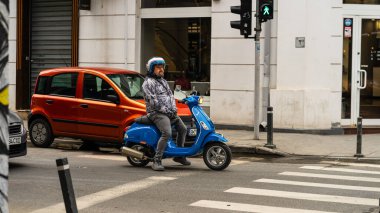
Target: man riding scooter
[(162, 111)]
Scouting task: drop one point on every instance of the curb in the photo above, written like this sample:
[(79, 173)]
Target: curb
[(258, 150)]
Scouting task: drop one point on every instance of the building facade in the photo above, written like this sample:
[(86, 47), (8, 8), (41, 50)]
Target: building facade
[(324, 61)]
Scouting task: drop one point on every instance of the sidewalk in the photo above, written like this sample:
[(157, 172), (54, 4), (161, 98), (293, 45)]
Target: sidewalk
[(341, 146)]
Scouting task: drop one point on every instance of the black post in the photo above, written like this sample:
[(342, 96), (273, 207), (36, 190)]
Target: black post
[(359, 133), (270, 128), (66, 185)]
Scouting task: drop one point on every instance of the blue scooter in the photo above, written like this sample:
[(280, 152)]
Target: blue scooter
[(141, 138)]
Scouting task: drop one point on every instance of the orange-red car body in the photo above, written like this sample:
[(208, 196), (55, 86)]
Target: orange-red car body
[(90, 119)]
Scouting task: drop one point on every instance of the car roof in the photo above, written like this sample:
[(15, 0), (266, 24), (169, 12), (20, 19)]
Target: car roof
[(104, 70)]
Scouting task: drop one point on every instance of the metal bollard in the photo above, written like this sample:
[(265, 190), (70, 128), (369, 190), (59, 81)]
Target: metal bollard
[(270, 128), (66, 185), (359, 133)]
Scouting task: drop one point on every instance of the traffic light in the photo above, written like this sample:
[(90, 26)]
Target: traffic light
[(265, 10), (245, 12)]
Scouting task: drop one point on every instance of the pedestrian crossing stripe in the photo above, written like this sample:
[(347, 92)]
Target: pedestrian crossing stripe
[(320, 185), (238, 162), (230, 206), (105, 157), (109, 194), (351, 164), (340, 170), (326, 176), (305, 196)]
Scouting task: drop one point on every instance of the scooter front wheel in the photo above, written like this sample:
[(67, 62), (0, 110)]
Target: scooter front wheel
[(135, 161), (217, 156)]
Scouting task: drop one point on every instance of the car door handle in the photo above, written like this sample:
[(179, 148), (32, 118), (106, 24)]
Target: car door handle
[(84, 105), (49, 101)]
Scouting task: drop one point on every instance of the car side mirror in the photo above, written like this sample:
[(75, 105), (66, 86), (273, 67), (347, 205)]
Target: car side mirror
[(113, 99)]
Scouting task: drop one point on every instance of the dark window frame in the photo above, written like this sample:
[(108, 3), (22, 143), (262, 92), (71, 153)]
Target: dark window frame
[(50, 81), (43, 91), (174, 3), (353, 2), (97, 99)]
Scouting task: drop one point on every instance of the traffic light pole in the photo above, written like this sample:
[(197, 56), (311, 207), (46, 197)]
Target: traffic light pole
[(264, 12), (257, 75)]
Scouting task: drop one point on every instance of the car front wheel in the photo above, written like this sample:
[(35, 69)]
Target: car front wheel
[(40, 133)]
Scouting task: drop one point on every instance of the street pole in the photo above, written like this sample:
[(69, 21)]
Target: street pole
[(66, 185), (359, 133), (257, 75), (269, 143), (266, 79)]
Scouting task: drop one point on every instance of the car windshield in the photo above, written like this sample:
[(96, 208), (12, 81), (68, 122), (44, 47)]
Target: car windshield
[(130, 84)]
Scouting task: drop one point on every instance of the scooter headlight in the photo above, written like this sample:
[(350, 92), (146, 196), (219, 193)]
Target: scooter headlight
[(200, 100)]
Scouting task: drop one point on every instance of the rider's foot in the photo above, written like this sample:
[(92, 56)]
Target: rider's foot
[(182, 160), (157, 165)]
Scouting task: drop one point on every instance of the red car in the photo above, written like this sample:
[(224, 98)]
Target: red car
[(93, 104)]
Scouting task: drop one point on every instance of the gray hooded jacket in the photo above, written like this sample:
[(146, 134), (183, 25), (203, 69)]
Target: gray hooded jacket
[(158, 97)]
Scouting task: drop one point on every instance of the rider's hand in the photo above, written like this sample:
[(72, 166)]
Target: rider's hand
[(173, 115)]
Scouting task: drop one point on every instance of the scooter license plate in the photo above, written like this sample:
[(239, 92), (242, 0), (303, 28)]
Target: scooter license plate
[(192, 132)]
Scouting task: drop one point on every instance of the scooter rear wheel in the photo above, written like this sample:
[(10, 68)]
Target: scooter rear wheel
[(217, 156), (135, 161)]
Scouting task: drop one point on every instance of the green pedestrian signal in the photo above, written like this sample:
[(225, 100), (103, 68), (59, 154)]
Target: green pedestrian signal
[(265, 10)]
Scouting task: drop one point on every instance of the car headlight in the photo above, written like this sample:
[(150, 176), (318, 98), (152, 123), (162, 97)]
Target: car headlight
[(22, 130)]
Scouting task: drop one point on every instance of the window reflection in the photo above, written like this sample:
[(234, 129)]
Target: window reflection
[(175, 3), (185, 44), (361, 1)]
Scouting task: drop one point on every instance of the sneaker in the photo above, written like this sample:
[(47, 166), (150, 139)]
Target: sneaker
[(182, 160), (157, 165)]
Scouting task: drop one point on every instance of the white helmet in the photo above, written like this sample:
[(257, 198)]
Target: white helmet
[(152, 62)]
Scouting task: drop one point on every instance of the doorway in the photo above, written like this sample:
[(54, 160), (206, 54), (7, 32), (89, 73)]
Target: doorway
[(361, 70), (47, 37)]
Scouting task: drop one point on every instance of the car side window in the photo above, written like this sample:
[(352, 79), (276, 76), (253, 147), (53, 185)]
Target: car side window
[(41, 85), (96, 88), (64, 84)]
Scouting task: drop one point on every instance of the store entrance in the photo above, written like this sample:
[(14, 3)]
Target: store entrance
[(361, 70)]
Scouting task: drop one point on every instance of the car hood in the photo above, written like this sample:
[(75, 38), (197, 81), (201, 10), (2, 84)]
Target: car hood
[(183, 109), (13, 117)]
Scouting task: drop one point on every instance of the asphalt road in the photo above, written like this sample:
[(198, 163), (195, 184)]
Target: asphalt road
[(105, 182)]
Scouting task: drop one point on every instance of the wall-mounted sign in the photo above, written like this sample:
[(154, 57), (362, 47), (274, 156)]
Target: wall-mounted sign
[(300, 42), (348, 22), (347, 27), (347, 32)]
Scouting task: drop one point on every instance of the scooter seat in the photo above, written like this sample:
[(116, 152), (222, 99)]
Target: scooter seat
[(143, 120)]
